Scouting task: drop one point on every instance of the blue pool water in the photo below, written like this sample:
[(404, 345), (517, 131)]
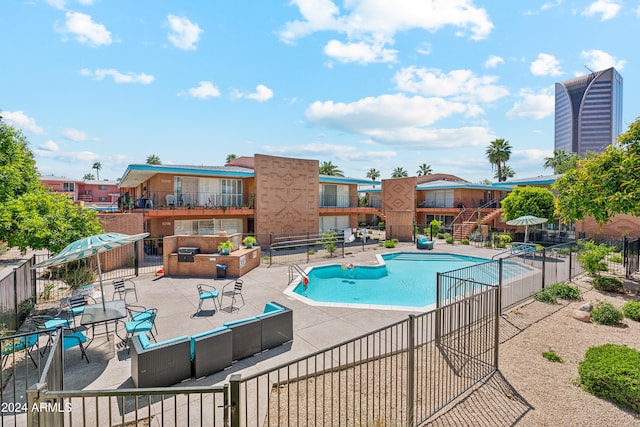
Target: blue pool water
[(407, 279)]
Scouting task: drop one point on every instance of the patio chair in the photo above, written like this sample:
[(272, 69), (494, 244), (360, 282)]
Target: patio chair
[(186, 200), (231, 293), (143, 323), (138, 313), (171, 200), (71, 339), (12, 345), (122, 287), (74, 306), (206, 292)]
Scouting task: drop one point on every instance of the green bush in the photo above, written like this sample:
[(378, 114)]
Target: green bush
[(607, 284), (435, 226), (464, 241), (564, 291), (616, 258), (545, 296), (612, 372), (552, 356), (449, 240), (631, 309), (592, 257), (441, 235), (76, 274), (606, 314), (488, 244), (389, 244)]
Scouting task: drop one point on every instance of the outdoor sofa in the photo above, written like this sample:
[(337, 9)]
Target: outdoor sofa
[(424, 243), (172, 361)]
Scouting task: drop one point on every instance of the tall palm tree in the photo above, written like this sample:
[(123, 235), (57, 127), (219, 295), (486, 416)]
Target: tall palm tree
[(328, 168), (498, 153), (399, 172), (153, 160), (88, 177), (505, 173), (373, 174), (424, 170), (230, 158), (561, 161), (97, 166)]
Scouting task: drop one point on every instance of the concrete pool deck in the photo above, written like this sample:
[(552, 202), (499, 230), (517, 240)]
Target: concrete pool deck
[(315, 327)]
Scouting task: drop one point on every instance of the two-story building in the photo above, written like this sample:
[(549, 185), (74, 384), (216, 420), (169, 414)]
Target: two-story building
[(93, 194)]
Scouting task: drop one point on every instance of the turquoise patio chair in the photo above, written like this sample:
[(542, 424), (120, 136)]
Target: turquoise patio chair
[(71, 339), (143, 322), (207, 292), (13, 345)]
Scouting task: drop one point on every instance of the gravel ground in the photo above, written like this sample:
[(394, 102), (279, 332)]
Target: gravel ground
[(544, 393)]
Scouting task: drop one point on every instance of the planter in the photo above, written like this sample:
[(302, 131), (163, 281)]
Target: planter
[(225, 251), (86, 290)]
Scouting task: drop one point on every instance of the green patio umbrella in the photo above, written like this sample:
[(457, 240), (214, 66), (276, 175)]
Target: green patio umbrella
[(527, 220), (90, 246)]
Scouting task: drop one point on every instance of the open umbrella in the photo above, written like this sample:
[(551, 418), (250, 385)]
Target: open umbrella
[(527, 220), (89, 246)]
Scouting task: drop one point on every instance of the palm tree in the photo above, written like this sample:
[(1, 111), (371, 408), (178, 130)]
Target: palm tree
[(424, 170), (505, 173), (373, 174), (399, 172), (498, 153), (328, 168), (153, 160), (88, 177), (230, 158), (561, 161), (97, 166)]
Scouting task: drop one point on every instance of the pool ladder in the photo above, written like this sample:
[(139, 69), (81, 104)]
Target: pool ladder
[(295, 269)]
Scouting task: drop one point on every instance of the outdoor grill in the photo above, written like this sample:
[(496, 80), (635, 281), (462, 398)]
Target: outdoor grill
[(186, 254)]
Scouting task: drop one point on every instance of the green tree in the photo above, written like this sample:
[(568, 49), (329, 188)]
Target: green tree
[(329, 239), (230, 158), (498, 153), (506, 172), (536, 201), (328, 168), (30, 216), (152, 159), (88, 177), (605, 184), (399, 172), (373, 174), (424, 169), (561, 161), (97, 166)]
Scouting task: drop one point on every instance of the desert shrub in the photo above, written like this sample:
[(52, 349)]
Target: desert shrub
[(592, 257), (449, 240), (606, 314), (612, 372), (390, 243), (76, 274), (545, 296), (464, 241), (476, 236), (607, 284), (488, 244), (564, 291), (631, 309), (552, 356), (441, 235)]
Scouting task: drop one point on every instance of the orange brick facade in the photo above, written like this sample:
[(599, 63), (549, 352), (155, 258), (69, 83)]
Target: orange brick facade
[(398, 206)]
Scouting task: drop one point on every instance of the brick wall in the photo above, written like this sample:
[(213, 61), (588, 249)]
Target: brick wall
[(287, 195)]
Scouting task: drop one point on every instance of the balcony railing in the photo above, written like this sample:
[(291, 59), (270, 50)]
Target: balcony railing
[(207, 200)]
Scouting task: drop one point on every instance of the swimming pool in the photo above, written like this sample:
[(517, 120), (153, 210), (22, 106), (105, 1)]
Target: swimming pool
[(403, 280)]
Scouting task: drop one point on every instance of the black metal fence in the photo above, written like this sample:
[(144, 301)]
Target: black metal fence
[(17, 295), (631, 256)]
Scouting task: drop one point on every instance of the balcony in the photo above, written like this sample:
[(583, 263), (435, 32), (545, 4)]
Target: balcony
[(167, 204)]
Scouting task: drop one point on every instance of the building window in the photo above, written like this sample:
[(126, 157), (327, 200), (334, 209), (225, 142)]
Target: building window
[(103, 187), (69, 187), (207, 227)]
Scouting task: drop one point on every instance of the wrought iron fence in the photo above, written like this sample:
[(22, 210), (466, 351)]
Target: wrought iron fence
[(631, 256)]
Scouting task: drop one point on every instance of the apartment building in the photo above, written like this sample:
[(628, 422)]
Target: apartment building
[(94, 194)]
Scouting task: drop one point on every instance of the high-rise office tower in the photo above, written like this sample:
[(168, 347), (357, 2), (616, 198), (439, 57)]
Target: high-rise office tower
[(588, 112)]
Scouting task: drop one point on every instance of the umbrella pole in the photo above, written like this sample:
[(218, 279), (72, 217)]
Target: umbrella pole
[(100, 277)]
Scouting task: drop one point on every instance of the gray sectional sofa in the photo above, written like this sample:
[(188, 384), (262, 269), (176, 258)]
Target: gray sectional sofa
[(169, 362)]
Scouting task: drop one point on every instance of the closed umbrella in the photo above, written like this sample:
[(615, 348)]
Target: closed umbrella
[(89, 246), (527, 220)]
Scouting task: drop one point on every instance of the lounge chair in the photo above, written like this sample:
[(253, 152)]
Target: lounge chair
[(424, 243)]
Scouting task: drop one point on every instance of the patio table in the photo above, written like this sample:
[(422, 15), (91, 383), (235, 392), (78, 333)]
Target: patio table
[(111, 312)]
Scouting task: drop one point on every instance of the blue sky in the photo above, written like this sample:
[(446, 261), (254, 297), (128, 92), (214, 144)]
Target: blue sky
[(361, 83)]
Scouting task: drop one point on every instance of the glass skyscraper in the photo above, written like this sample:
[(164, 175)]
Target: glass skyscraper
[(588, 112)]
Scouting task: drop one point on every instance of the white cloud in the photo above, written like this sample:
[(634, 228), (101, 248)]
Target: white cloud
[(57, 4), (545, 65), (85, 30), (598, 60), (424, 48), (69, 156), (379, 21), (117, 76), (20, 120), (537, 105), (532, 155), (493, 61), (460, 85), (77, 135), (49, 146), (607, 9), (204, 90), (184, 33), (262, 94), (361, 52), (397, 119)]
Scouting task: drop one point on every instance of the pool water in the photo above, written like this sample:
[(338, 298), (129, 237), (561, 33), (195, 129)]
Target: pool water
[(406, 279)]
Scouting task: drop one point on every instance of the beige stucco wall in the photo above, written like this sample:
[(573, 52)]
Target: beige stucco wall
[(620, 225), (287, 195), (398, 205)]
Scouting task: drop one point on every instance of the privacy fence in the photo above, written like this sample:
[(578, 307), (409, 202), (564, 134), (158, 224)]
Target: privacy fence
[(401, 374)]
